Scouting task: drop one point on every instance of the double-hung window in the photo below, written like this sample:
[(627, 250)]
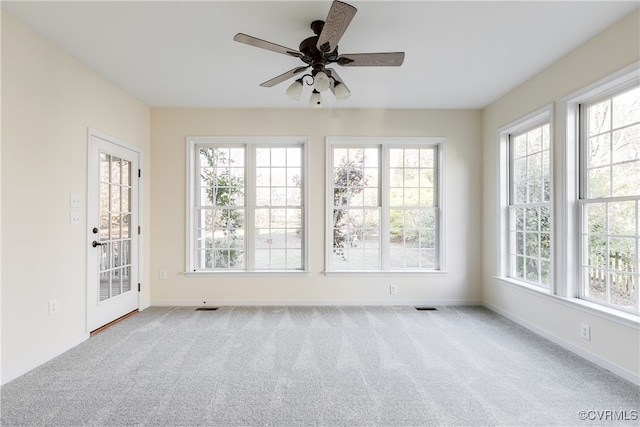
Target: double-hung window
[(530, 205), (526, 218), (246, 204), (384, 204), (609, 198)]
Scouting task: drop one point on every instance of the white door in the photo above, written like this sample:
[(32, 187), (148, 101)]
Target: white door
[(112, 212)]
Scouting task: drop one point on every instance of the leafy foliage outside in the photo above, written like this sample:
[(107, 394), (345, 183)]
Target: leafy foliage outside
[(226, 247), (349, 181)]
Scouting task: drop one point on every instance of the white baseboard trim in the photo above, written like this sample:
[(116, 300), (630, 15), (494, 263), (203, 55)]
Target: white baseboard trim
[(34, 362), (320, 303), (629, 376)]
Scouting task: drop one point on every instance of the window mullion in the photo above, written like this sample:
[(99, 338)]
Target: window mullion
[(383, 203), (250, 206), (194, 207)]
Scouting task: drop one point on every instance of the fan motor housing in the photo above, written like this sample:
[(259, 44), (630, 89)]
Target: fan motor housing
[(310, 49)]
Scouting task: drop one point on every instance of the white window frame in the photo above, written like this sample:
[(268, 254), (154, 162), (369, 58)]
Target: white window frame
[(571, 172), (249, 143), (384, 143), (569, 226), (539, 117)]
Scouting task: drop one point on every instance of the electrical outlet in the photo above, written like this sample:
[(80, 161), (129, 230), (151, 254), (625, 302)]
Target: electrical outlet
[(585, 331), (162, 274), (392, 289), (53, 307)]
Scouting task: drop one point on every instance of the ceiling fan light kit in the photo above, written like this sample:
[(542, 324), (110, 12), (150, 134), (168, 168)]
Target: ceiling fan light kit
[(316, 99), (318, 51), (295, 90)]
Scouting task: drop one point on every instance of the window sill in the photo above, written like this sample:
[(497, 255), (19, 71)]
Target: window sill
[(365, 273), (626, 319), (244, 273)]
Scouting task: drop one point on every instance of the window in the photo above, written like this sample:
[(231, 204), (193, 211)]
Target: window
[(609, 203), (591, 253), (530, 205), (246, 204), (525, 193), (384, 203)]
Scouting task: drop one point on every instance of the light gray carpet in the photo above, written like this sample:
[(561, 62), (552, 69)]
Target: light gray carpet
[(317, 366)]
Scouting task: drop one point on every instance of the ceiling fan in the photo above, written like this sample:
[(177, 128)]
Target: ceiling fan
[(321, 50)]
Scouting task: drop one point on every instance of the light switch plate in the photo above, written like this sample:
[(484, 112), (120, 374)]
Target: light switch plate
[(75, 200), (74, 218)]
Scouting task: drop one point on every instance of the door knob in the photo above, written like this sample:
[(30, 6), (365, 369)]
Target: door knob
[(94, 244)]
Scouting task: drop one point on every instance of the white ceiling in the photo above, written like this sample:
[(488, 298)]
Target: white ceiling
[(459, 54)]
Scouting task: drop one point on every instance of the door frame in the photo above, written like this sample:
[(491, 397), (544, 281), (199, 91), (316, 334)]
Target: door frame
[(92, 198)]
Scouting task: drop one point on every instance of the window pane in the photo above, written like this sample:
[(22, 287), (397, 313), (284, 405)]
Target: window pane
[(427, 158), (278, 196), (519, 268), (263, 177), (115, 170), (546, 176), (546, 137), (622, 254), (534, 140), (294, 157), (624, 291), (626, 108), (599, 118), (532, 273), (396, 177), (519, 178), (597, 251), (294, 196), (519, 244), (263, 196), (599, 183), (626, 179), (532, 244), (520, 146), (535, 190), (595, 218), (626, 144), (596, 284), (622, 218), (545, 273)]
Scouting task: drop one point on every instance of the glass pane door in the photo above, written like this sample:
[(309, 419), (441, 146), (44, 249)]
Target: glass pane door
[(115, 235)]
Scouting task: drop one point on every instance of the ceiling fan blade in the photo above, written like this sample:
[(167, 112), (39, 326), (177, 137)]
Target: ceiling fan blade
[(384, 59), (263, 44), (340, 15), (284, 76)]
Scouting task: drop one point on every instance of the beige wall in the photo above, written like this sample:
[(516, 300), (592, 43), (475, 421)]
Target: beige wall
[(49, 100), (462, 192), (615, 345)]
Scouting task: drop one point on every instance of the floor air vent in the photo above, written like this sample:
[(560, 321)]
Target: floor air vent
[(426, 308), (206, 308)]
